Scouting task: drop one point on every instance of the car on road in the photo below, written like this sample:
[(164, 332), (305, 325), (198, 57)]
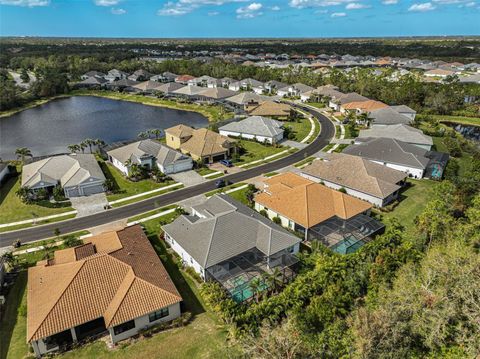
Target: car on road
[(226, 163), (220, 183)]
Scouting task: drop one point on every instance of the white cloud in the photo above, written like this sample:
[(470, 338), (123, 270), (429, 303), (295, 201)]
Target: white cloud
[(118, 11), (301, 4), (470, 4), (182, 7), (356, 6), (106, 2), (275, 8), (213, 13), (338, 14), (423, 7), (249, 11), (389, 2), (29, 3)]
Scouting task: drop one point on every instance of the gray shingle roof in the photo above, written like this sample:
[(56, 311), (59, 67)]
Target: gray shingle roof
[(390, 151), (255, 125), (68, 170), (400, 132), (403, 109), (388, 116), (164, 155), (230, 228)]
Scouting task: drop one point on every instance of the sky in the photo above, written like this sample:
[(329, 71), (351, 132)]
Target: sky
[(239, 18)]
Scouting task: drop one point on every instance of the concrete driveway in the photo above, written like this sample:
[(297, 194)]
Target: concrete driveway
[(87, 205), (188, 178), (217, 166)]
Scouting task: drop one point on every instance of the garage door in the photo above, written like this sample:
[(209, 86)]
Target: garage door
[(92, 190), (182, 166), (71, 192)]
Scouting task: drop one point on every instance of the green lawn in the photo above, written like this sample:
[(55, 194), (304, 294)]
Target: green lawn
[(12, 209), (413, 201), (204, 171), (301, 129), (151, 213), (475, 121), (305, 161), (212, 112), (125, 187), (240, 196), (340, 148), (316, 131), (256, 151), (203, 337)]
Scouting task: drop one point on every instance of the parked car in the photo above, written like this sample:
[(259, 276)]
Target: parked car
[(226, 163), (220, 183)]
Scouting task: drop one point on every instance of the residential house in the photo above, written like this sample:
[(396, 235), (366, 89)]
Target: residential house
[(147, 87), (92, 82), (472, 79), (417, 162), (247, 85), (200, 144), (140, 75), (226, 241), (92, 74), (169, 88), (191, 92), (149, 153), (337, 101), (246, 99), (122, 85), (359, 107), (277, 110), (77, 174), (319, 213), (115, 75), (388, 116), (217, 93), (114, 282), (164, 77), (258, 128), (183, 79), (202, 81), (272, 86), (360, 178), (405, 111), (294, 90), (399, 132)]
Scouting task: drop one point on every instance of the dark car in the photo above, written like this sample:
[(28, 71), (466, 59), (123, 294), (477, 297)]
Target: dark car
[(226, 163), (220, 183)]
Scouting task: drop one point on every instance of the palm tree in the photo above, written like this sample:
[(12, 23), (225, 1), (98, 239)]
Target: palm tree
[(23, 152), (275, 277), (156, 132), (364, 118), (82, 146), (99, 143), (255, 287), (135, 170), (23, 193), (89, 142), (73, 148)]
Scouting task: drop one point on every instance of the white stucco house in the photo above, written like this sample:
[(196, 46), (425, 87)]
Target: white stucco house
[(149, 153), (258, 128)]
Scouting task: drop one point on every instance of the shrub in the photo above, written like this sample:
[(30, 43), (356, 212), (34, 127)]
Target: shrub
[(263, 213), (277, 220)]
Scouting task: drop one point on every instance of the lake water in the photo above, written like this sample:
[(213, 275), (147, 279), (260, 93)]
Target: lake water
[(50, 128)]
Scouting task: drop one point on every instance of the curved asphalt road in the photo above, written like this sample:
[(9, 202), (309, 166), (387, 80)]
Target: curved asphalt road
[(77, 224)]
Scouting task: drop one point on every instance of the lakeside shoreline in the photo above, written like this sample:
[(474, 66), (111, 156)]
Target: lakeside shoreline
[(212, 116)]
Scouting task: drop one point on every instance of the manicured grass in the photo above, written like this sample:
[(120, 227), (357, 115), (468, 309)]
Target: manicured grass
[(256, 151), (141, 198), (125, 187), (218, 175), (412, 202), (212, 112), (301, 129), (270, 174), (317, 105), (13, 327), (316, 131), (204, 171), (224, 189), (240, 195), (340, 148), (328, 147), (12, 209), (151, 213), (38, 223), (349, 133), (338, 131), (475, 121), (290, 151)]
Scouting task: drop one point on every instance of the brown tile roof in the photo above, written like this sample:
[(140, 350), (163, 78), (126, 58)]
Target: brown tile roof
[(369, 105), (270, 108), (357, 173), (202, 142), (307, 203), (180, 131), (117, 283)]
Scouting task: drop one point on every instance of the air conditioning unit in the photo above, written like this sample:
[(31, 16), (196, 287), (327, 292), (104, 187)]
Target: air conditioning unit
[(2, 300)]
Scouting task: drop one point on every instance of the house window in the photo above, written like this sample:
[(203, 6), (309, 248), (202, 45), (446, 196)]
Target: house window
[(162, 313), (124, 327)]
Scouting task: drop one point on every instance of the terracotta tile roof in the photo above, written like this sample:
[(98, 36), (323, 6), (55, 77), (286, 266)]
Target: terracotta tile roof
[(368, 106), (269, 108), (180, 131), (307, 203), (119, 283)]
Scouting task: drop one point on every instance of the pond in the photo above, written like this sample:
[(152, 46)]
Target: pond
[(469, 132), (50, 128)]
